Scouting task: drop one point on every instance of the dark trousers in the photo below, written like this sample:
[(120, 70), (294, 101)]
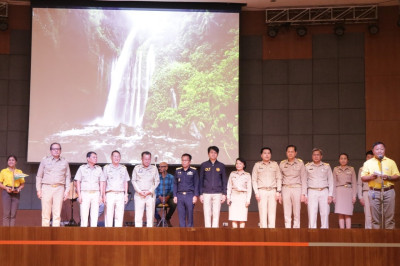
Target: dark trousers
[(10, 206), (185, 209), (172, 207)]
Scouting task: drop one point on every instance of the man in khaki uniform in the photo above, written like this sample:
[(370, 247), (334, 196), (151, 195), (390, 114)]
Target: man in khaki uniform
[(294, 186), (362, 191), (320, 190), (378, 171), (267, 184), (89, 190), (115, 190), (52, 185), (145, 179)]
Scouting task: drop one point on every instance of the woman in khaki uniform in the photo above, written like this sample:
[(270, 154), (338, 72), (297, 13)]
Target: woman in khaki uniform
[(239, 194), (344, 178)]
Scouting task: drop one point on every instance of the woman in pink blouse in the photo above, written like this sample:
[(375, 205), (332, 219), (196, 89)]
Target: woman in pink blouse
[(239, 194)]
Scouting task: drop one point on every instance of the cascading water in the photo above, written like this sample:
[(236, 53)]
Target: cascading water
[(174, 103), (130, 82)]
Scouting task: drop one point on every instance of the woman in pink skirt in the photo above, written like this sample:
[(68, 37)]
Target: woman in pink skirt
[(239, 194), (344, 178)]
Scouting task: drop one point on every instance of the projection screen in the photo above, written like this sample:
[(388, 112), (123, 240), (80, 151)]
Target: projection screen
[(105, 79)]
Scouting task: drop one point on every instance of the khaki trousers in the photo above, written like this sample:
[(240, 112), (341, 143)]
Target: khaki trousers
[(140, 204), (367, 211), (318, 199), (52, 200), (291, 199), (90, 202), (212, 207), (388, 208), (115, 206), (267, 208)]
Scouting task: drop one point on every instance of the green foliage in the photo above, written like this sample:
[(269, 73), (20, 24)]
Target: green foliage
[(206, 78)]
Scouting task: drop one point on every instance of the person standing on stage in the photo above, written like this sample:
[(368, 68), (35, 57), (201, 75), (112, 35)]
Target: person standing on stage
[(186, 190), (89, 189), (11, 190), (239, 194), (380, 169), (362, 192), (115, 190), (267, 185), (213, 183), (294, 186), (320, 189), (145, 179), (164, 193), (52, 184), (344, 179)]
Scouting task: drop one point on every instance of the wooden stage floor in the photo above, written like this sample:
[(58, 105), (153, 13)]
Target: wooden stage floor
[(197, 246)]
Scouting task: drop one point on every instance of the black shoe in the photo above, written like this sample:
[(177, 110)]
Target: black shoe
[(169, 223)]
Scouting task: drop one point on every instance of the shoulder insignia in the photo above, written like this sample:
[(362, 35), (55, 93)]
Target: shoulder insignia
[(308, 163), (194, 168), (326, 164), (299, 159), (179, 168), (284, 161)]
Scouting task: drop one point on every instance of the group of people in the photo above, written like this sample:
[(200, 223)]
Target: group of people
[(290, 183)]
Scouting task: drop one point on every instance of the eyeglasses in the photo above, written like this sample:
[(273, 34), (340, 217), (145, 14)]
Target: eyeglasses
[(55, 149)]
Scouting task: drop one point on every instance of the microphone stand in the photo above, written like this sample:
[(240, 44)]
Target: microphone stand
[(381, 197)]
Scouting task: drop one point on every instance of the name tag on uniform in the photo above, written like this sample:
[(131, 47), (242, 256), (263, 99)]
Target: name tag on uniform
[(190, 173), (179, 173), (218, 169)]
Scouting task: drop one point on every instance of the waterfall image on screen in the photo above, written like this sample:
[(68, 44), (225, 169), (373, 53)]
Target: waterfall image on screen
[(134, 80)]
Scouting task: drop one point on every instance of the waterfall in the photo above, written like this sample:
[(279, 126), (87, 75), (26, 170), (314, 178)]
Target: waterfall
[(174, 103), (130, 82)]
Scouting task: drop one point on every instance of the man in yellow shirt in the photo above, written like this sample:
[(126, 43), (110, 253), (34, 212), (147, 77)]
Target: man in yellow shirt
[(377, 171)]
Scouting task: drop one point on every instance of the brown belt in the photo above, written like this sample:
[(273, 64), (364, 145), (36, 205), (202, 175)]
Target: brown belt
[(345, 185), (292, 186), (384, 188), (318, 188), (267, 188)]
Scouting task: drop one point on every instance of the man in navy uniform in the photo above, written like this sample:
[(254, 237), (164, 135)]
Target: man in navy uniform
[(186, 190), (213, 183)]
